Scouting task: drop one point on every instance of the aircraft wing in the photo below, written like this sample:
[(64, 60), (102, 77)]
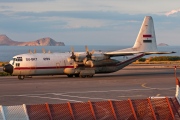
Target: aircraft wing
[(120, 53), (114, 54)]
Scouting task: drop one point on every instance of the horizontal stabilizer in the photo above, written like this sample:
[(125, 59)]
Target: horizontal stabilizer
[(148, 53)]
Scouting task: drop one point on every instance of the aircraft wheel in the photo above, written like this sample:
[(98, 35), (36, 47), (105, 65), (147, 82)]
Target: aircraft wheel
[(90, 76), (76, 75), (82, 76), (21, 77), (70, 76)]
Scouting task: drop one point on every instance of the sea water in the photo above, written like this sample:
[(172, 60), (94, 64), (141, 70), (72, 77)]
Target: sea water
[(7, 52)]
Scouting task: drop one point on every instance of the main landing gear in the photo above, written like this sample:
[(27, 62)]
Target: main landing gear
[(84, 76), (81, 76), (21, 77)]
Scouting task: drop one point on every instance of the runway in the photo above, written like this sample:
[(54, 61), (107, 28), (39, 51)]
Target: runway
[(127, 83)]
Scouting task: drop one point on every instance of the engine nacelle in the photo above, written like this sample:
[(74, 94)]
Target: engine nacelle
[(98, 56), (80, 56), (101, 62), (95, 56)]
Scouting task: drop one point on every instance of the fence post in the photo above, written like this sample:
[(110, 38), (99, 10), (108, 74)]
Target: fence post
[(167, 99), (175, 105), (25, 110), (71, 111), (112, 107), (3, 114), (49, 112), (132, 108), (151, 107), (92, 110)]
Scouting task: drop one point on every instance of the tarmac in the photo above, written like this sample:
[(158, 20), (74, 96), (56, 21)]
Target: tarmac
[(131, 82)]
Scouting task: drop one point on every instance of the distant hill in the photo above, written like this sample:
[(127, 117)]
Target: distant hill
[(163, 44), (5, 41)]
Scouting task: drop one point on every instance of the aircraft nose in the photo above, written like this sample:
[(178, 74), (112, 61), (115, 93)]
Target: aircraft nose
[(8, 68)]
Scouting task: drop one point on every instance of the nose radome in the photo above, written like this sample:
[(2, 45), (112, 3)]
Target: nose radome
[(8, 68)]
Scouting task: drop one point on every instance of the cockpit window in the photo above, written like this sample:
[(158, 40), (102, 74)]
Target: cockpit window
[(17, 64), (14, 59), (18, 59)]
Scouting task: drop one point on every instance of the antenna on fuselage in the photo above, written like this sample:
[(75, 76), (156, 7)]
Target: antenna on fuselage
[(43, 50), (34, 51), (30, 51)]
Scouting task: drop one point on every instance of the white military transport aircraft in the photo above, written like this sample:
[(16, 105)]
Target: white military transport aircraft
[(84, 64)]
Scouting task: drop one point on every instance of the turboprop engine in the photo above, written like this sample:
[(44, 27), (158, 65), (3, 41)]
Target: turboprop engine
[(101, 62), (88, 59)]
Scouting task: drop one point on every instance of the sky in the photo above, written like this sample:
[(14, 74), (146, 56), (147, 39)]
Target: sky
[(89, 22)]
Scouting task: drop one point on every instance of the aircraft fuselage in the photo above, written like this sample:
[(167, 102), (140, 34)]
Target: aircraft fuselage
[(57, 64)]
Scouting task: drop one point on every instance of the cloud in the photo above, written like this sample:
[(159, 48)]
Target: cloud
[(65, 21), (5, 7), (23, 1), (172, 12)]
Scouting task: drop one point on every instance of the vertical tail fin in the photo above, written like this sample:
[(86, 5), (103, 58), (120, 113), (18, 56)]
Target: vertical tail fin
[(146, 39)]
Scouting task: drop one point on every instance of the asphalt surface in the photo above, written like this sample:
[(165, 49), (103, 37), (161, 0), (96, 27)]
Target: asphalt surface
[(130, 82)]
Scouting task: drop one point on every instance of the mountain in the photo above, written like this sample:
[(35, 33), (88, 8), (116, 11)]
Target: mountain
[(5, 41)]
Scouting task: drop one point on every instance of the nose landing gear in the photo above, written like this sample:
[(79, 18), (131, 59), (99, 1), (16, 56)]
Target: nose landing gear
[(21, 77)]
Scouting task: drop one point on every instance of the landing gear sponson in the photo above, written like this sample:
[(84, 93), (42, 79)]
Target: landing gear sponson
[(82, 76), (21, 77)]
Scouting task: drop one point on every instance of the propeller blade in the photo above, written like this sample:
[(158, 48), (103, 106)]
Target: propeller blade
[(75, 65), (34, 51), (86, 48), (72, 49), (84, 61), (69, 59), (92, 52), (43, 50), (91, 63)]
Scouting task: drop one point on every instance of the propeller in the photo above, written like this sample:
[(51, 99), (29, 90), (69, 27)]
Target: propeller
[(88, 59), (73, 56), (89, 54)]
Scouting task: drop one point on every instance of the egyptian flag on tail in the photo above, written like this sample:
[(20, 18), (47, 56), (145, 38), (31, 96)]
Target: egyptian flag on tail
[(147, 36)]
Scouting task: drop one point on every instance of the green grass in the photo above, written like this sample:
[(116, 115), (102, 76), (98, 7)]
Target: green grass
[(159, 60), (4, 74)]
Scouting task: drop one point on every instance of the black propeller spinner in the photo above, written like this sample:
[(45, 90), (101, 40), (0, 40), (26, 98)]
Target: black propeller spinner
[(89, 54), (73, 56)]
